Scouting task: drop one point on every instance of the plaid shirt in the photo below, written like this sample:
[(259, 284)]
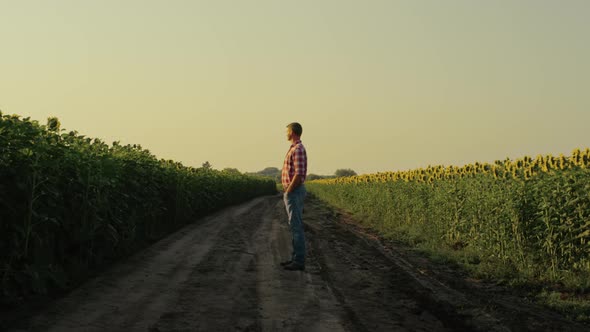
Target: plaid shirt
[(295, 163)]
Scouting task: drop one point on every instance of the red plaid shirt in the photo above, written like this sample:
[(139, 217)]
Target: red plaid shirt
[(295, 163)]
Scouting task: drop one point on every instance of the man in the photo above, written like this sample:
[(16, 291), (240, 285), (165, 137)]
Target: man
[(292, 178)]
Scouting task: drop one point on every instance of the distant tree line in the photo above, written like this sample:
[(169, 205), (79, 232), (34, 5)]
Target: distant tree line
[(275, 173)]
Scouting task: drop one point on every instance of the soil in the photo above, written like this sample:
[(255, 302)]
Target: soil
[(222, 273)]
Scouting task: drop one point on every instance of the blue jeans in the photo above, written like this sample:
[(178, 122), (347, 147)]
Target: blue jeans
[(294, 205)]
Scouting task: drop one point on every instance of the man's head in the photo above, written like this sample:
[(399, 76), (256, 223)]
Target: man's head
[(294, 130)]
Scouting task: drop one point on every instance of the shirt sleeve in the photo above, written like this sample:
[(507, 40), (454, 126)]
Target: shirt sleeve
[(300, 161)]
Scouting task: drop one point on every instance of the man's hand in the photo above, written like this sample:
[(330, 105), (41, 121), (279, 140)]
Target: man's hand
[(294, 184)]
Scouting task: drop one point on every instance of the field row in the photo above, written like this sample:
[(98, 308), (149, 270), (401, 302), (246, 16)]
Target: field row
[(70, 204), (526, 220)]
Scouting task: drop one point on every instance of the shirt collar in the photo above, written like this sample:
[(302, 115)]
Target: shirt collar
[(296, 142)]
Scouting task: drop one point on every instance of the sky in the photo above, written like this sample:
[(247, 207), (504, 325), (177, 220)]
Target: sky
[(378, 85)]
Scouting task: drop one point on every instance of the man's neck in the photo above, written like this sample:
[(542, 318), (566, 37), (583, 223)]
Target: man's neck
[(295, 140)]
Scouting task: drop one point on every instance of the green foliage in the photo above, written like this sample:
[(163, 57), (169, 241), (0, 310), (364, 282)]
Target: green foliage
[(537, 227), (271, 173), (344, 172), (311, 177), (207, 165), (69, 204)]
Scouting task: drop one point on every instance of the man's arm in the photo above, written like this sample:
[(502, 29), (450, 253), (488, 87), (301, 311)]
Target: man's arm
[(300, 163), (294, 184)]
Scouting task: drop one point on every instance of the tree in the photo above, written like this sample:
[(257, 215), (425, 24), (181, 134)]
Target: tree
[(344, 172), (206, 165), (270, 171), (312, 176)]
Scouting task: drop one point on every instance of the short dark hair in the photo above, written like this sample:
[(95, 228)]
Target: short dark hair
[(296, 128)]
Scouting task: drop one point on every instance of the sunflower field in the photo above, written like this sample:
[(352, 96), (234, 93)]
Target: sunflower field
[(70, 204), (526, 219)]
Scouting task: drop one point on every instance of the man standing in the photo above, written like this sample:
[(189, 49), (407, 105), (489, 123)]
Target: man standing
[(292, 178)]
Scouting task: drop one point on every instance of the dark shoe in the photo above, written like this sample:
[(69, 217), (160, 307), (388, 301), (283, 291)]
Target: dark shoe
[(286, 262), (295, 267)]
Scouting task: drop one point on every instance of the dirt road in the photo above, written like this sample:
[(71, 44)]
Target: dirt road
[(222, 274)]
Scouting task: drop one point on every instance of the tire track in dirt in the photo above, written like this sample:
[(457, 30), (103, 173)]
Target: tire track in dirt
[(240, 285), (220, 293), (376, 294)]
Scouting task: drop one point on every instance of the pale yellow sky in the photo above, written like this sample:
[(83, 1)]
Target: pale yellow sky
[(377, 85)]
